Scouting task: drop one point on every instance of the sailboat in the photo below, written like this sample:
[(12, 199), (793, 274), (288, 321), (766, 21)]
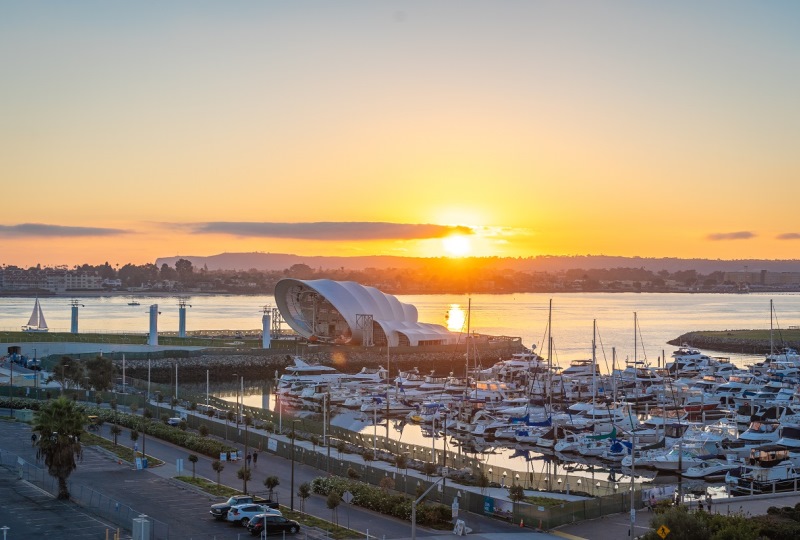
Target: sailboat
[(36, 323)]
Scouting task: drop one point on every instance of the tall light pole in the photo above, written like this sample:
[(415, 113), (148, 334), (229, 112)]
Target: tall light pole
[(236, 378), (291, 507), (244, 421), (10, 385), (148, 380), (63, 376)]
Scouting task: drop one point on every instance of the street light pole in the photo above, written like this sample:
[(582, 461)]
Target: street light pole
[(414, 509), (291, 507), (236, 414), (63, 376), (10, 395), (246, 453)]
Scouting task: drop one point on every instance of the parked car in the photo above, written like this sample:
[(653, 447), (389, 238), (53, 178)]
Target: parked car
[(273, 524), (219, 511), (243, 513)]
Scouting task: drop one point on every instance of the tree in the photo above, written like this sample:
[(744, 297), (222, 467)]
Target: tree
[(429, 469), (353, 474), (368, 455), (167, 273), (68, 372), (341, 446), (134, 407), (401, 461), (184, 269), (516, 493), (115, 431), (386, 484), (271, 482), (333, 502), (244, 474), (482, 481), (203, 430), (59, 424), (100, 371), (218, 466), (304, 492), (193, 459)]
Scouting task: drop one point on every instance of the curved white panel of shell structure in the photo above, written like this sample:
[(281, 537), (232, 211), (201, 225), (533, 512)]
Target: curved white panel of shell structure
[(350, 299)]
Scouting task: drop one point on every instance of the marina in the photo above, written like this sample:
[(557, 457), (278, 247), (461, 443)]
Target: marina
[(611, 395)]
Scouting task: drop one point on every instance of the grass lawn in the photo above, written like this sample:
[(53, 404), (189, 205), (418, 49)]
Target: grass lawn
[(542, 501)]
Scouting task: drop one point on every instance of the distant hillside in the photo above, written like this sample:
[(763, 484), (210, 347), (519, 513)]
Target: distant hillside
[(281, 261)]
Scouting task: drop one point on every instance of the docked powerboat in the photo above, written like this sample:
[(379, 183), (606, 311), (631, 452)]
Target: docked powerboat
[(769, 470), (711, 469)]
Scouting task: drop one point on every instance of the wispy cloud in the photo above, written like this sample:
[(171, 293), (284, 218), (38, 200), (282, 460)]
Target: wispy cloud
[(739, 235), (43, 230), (789, 236), (349, 230)]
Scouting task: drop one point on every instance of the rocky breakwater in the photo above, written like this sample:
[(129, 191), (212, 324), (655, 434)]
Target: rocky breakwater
[(262, 365), (755, 342)]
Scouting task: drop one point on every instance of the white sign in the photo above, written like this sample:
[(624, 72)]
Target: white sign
[(272, 445), (347, 497)]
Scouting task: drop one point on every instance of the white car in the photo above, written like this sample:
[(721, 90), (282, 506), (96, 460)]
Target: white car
[(243, 513), (174, 421)]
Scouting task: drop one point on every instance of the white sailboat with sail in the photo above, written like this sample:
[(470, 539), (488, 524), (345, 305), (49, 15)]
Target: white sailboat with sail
[(36, 323)]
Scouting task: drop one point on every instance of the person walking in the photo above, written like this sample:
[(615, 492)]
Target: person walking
[(255, 458), (248, 458), (708, 502)]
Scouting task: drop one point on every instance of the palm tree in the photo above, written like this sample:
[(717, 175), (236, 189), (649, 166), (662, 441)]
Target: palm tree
[(59, 424)]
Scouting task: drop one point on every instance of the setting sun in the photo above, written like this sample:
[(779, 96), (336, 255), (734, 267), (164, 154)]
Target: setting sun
[(456, 245)]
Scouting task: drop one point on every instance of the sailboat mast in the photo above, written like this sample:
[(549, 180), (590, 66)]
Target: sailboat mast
[(594, 360), (469, 314), (771, 313), (550, 353)]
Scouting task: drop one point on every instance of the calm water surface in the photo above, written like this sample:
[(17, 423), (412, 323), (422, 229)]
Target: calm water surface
[(661, 317)]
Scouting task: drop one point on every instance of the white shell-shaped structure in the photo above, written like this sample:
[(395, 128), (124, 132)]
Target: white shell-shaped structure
[(348, 312)]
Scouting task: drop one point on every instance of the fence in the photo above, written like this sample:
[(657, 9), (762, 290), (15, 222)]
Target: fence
[(110, 509)]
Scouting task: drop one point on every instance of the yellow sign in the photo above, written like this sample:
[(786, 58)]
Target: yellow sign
[(663, 531)]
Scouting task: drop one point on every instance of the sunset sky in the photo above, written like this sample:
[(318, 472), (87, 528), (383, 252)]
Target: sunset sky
[(137, 130)]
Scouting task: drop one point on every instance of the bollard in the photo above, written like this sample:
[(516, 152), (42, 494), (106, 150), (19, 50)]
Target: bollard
[(521, 522)]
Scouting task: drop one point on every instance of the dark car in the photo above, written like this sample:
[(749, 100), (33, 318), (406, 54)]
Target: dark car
[(274, 524)]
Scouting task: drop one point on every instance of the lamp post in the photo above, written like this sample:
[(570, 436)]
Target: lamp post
[(291, 507), (414, 509), (246, 453), (10, 385), (63, 376), (148, 380), (236, 378)]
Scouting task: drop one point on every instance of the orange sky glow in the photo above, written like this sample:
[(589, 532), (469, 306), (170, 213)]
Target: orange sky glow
[(533, 128)]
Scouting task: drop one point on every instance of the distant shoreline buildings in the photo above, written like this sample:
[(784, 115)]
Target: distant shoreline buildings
[(438, 276)]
